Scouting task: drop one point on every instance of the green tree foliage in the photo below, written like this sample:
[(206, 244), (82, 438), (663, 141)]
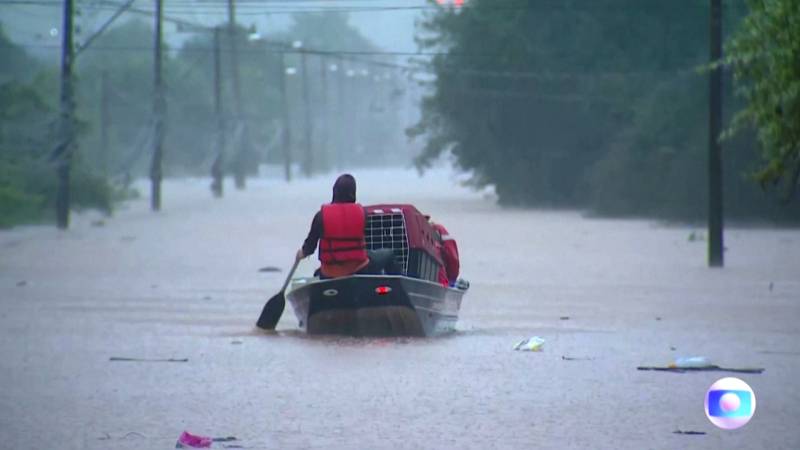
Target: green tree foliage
[(22, 152), (191, 129), (589, 104), (27, 130), (765, 54), (123, 56), (129, 71), (15, 64)]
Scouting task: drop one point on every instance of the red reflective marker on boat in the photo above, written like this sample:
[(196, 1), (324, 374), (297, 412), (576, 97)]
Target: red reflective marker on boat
[(383, 290)]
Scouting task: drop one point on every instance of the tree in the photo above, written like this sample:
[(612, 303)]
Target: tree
[(15, 63), (765, 55), (129, 73), (27, 136), (591, 104), (529, 95)]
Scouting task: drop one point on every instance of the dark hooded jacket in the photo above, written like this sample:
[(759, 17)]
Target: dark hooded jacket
[(344, 191)]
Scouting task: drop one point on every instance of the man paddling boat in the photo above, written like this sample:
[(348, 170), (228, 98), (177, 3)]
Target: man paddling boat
[(338, 227)]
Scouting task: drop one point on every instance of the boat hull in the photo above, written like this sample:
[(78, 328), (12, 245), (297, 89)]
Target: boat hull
[(375, 305)]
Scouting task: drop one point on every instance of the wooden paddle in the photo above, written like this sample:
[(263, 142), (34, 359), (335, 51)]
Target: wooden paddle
[(273, 310)]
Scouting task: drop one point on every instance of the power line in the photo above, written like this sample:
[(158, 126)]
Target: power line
[(260, 8), (121, 9), (284, 48), (353, 55), (265, 7)]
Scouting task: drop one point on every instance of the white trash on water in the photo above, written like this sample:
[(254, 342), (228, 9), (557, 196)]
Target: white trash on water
[(691, 362), (532, 344)]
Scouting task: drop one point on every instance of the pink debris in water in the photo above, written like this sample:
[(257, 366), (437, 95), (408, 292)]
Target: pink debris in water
[(191, 441)]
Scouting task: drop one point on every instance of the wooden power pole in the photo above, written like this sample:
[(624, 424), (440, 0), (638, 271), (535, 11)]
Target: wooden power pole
[(308, 160), (342, 122), (159, 107), (217, 168), (715, 221), (287, 126), (243, 147), (324, 112), (105, 123), (66, 138)]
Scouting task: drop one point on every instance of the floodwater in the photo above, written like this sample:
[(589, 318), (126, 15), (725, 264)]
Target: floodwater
[(185, 283)]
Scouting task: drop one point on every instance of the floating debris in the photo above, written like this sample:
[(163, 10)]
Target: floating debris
[(695, 236), (134, 434), (698, 364), (188, 440), (532, 344), (779, 352), (121, 358), (269, 269), (689, 432), (702, 369), (691, 362)]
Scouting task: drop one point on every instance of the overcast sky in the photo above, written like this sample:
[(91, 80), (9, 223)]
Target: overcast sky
[(38, 25)]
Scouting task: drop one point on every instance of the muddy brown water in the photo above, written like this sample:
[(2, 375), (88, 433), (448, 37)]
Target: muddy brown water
[(606, 295)]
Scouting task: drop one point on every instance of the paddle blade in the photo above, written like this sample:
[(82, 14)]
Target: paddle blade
[(272, 312)]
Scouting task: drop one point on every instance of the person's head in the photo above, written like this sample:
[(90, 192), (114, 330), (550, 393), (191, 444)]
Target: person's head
[(344, 189)]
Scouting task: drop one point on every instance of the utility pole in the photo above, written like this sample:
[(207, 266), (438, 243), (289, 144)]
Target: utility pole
[(324, 113), (63, 152), (243, 150), (308, 160), (159, 107), (105, 122), (217, 168), (355, 107), (340, 111), (715, 221), (287, 128)]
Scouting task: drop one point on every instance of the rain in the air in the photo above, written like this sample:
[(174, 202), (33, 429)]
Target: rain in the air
[(399, 224)]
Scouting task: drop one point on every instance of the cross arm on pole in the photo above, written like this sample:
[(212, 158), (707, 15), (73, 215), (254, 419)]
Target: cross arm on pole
[(103, 27)]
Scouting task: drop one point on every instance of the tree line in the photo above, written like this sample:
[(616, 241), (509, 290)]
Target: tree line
[(354, 105), (603, 105)]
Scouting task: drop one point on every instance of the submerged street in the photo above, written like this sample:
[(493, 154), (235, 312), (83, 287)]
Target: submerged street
[(606, 295)]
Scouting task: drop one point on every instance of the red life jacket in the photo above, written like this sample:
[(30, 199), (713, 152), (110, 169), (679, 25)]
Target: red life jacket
[(342, 239)]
